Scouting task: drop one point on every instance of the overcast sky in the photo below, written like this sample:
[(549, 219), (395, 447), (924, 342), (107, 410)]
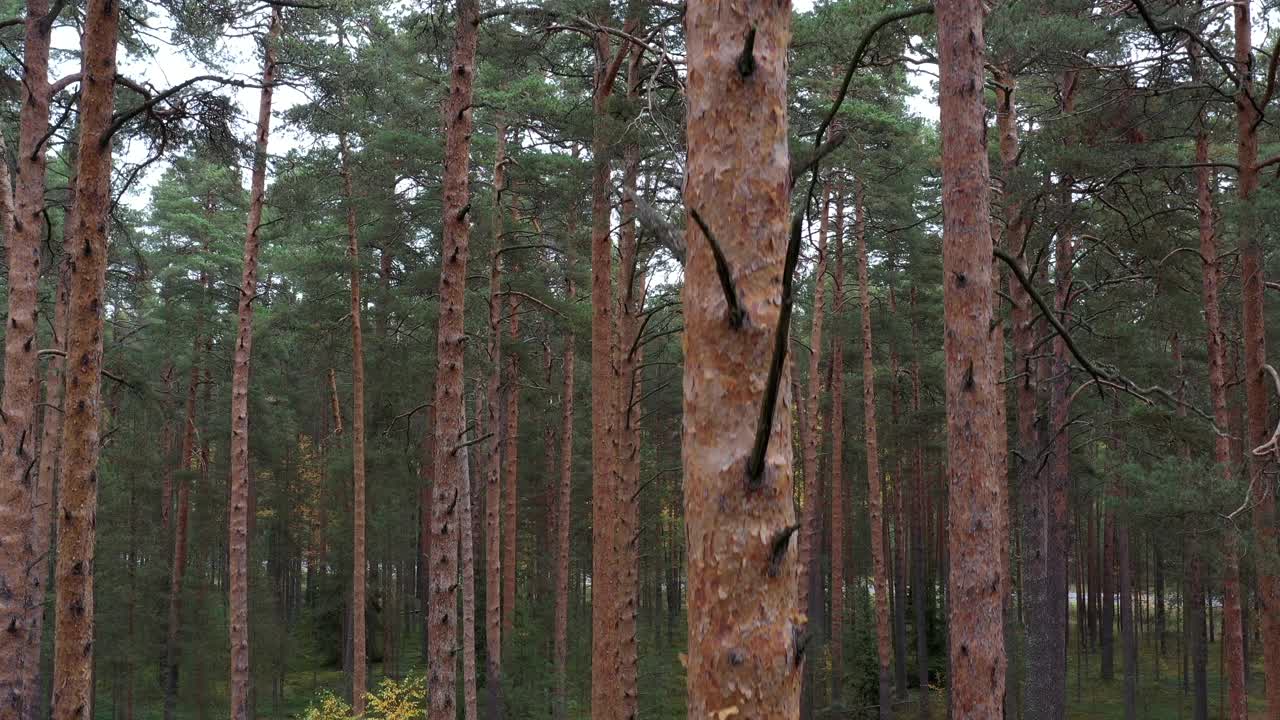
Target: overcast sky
[(169, 66)]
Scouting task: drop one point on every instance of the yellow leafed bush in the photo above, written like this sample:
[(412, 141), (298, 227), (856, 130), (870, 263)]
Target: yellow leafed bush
[(403, 700), (394, 700)]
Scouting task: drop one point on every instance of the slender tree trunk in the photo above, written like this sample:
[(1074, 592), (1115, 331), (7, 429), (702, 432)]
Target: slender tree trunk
[(875, 495), (738, 527), (510, 475), (81, 440), (609, 697), (1256, 383), (1058, 508), (450, 343), (337, 406), (1128, 633), (836, 465), (188, 461), (628, 369), (975, 528), (466, 550), (241, 493), (42, 508), (360, 665), (811, 535), (24, 496), (493, 479), (920, 586), (1108, 595), (1211, 281), (1036, 699), (564, 522)]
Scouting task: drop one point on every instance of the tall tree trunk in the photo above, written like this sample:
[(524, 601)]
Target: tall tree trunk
[(426, 476), (42, 508), (1211, 281), (1036, 698), (450, 343), (836, 465), (628, 368), (241, 493), (1255, 350), (81, 440), (811, 421), (510, 475), (466, 552), (608, 693), (188, 461), (738, 527), (920, 587), (1128, 633), (24, 495), (875, 495), (975, 526), (493, 479), (1057, 505), (359, 666), (1107, 641), (564, 521)]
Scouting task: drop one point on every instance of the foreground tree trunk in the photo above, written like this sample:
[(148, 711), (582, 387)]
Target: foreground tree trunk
[(450, 343), (740, 519), (359, 663), (1256, 385), (24, 538), (241, 496), (975, 525), (81, 440), (875, 493)]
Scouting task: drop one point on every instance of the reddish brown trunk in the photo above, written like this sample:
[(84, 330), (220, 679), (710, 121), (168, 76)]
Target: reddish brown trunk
[(608, 694), (188, 462), (564, 521), (810, 422), (359, 664), (875, 493), (426, 475), (742, 563), (493, 478), (1211, 280), (510, 476), (920, 586), (466, 552), (975, 537), (628, 362), (78, 489), (1256, 387), (450, 344), (24, 496), (241, 494), (837, 482)]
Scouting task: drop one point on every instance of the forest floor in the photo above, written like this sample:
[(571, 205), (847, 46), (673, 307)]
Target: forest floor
[(1160, 690)]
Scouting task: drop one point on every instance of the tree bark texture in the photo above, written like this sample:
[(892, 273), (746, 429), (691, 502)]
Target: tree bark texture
[(746, 649)]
